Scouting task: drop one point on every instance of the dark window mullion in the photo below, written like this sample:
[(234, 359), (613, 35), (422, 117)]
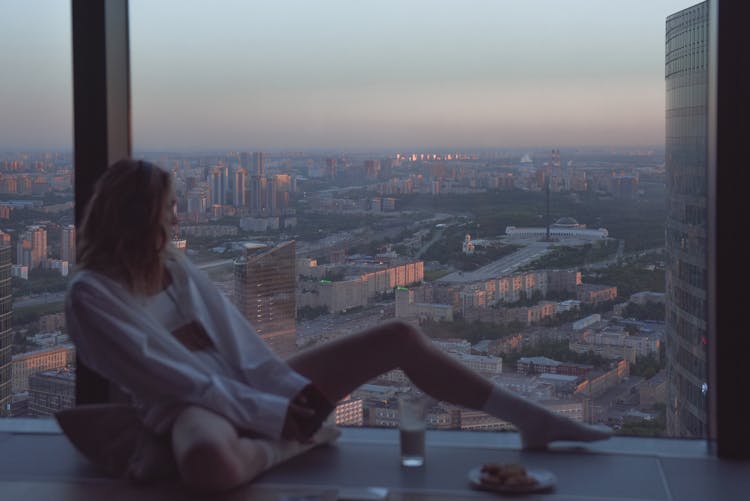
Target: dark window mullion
[(101, 119)]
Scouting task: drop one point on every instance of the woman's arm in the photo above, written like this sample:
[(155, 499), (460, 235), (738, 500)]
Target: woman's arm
[(114, 339)]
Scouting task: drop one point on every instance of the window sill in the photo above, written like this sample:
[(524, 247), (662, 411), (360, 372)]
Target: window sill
[(40, 460)]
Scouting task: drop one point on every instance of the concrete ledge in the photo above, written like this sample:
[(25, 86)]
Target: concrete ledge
[(40, 463)]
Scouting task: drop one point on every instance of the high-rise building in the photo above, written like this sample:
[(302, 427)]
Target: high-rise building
[(372, 169), (197, 203), (271, 205), (240, 199), (686, 75), (68, 243), (259, 164), (258, 195), (219, 185), (284, 187), (31, 248), (264, 291), (331, 167), (6, 334), (245, 160)]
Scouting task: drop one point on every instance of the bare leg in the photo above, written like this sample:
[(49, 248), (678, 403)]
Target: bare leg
[(210, 455), (344, 364)]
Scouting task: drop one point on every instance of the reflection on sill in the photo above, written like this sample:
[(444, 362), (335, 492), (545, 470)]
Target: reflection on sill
[(661, 447)]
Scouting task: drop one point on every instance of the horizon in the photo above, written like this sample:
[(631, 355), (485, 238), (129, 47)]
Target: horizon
[(510, 150)]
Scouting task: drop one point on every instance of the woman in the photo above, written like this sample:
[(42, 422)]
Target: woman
[(145, 318)]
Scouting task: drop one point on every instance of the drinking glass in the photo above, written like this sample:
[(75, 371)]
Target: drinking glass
[(412, 413)]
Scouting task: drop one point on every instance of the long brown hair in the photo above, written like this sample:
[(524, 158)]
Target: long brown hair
[(123, 234)]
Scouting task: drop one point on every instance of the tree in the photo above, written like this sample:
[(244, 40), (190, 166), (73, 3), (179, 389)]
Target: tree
[(632, 329)]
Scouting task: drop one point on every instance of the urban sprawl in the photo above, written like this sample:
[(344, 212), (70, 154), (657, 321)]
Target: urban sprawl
[(542, 270)]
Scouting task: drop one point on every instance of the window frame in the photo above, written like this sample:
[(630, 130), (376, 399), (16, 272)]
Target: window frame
[(102, 125), (728, 108)]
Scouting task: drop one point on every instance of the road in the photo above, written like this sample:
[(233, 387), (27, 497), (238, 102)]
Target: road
[(334, 325), (214, 264), (621, 256), (438, 235), (533, 251), (502, 266), (44, 298)]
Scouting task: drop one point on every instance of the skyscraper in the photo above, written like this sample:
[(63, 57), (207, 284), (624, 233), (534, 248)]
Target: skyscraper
[(245, 160), (6, 334), (264, 291), (240, 199), (284, 187), (271, 205), (686, 75), (217, 186), (68, 243), (31, 248), (372, 169), (259, 164), (258, 195)]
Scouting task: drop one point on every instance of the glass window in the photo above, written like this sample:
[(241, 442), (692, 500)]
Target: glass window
[(498, 175), (37, 235)]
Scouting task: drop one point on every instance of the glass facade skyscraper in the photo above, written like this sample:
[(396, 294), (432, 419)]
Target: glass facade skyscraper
[(264, 289), (686, 74), (6, 333)]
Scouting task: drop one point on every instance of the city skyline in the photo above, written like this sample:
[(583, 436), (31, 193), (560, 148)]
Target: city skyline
[(335, 75)]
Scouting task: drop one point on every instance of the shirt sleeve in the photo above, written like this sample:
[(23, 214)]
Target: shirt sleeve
[(114, 341)]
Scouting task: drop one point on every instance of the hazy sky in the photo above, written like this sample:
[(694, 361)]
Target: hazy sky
[(401, 74)]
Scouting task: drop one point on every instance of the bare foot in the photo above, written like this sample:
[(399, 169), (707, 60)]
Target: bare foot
[(551, 427)]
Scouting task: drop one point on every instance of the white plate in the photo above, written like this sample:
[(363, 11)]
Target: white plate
[(545, 480)]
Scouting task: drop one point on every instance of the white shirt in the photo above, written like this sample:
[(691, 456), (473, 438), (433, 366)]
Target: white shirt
[(118, 337)]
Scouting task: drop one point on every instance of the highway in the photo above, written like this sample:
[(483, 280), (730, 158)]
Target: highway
[(215, 264), (503, 266), (37, 299)]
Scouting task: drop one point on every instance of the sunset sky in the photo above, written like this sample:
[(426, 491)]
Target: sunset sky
[(346, 75)]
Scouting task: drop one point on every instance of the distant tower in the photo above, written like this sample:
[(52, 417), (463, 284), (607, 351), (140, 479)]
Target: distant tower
[(546, 215), (217, 186), (6, 333), (258, 196), (68, 243), (197, 203), (284, 187), (372, 169), (240, 180), (272, 196), (31, 248), (179, 243), (38, 246), (264, 292), (245, 160), (259, 164)]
